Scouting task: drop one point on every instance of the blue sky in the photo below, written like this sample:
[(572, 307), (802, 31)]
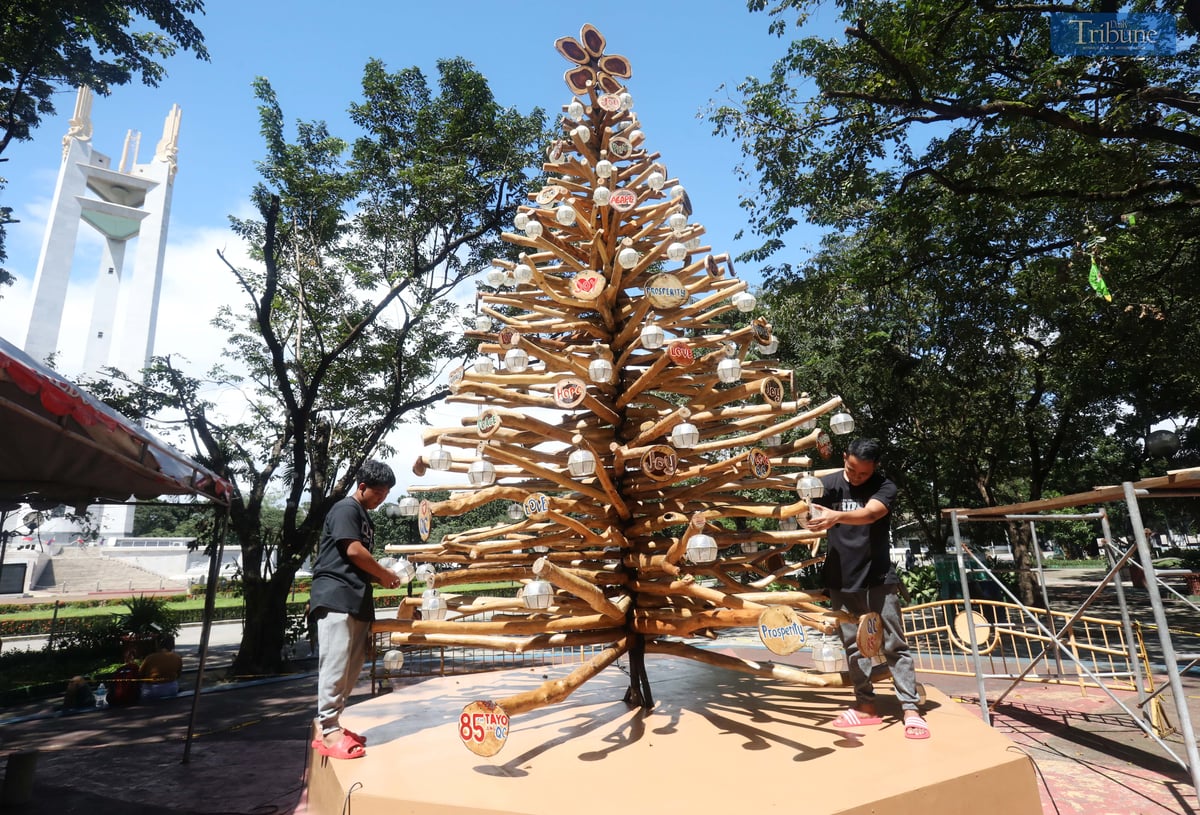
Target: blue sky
[(682, 54)]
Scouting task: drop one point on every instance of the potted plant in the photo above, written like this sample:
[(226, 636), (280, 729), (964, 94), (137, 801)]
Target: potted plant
[(148, 619)]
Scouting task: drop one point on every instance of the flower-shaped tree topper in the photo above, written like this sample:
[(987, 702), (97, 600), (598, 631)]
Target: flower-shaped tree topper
[(593, 66)]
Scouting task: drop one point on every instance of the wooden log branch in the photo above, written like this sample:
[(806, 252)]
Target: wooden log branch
[(588, 622), (606, 482), (556, 690), (769, 670), (564, 480), (786, 569), (683, 624), (688, 588), (582, 589), (458, 576), (695, 524), (648, 379), (660, 428), (512, 645)]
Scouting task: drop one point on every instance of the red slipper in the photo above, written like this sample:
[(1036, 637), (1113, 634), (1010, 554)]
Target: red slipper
[(915, 727), (346, 748), (360, 739), (853, 718)]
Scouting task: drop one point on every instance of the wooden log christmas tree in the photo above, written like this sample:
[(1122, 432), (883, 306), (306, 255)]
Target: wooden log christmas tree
[(627, 406)]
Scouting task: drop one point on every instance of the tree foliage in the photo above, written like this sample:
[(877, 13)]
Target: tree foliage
[(357, 248), (968, 179), (48, 45)]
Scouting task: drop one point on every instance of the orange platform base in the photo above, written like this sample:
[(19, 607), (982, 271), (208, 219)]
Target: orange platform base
[(715, 741)]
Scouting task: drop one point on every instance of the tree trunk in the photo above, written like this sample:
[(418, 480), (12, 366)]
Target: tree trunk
[(1022, 544), (638, 694), (261, 649)]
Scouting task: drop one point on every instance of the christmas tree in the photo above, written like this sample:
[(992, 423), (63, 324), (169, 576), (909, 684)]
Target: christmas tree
[(629, 411)]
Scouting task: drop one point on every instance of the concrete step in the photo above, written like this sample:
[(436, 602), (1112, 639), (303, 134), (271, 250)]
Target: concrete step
[(87, 570)]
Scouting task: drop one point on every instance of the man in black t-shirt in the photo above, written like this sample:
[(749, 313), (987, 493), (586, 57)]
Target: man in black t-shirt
[(343, 604), (860, 577)]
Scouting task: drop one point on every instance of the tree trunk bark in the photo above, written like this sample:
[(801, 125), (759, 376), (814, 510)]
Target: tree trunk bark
[(1027, 586), (261, 649)]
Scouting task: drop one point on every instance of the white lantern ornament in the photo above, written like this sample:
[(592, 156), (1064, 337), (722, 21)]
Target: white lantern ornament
[(537, 594), (409, 506), (745, 301), (523, 273), (481, 472), (483, 365), (600, 370), (581, 462), (841, 423), (602, 195), (604, 168), (729, 370), (404, 570), (516, 360), (433, 605), (701, 548), (676, 251), (440, 458), (627, 257), (808, 486), (685, 435), (652, 336), (483, 323)]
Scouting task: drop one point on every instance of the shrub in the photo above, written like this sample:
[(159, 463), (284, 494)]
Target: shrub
[(921, 584), (93, 635), (149, 617)]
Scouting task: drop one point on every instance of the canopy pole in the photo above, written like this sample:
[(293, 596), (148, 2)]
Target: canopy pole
[(210, 601)]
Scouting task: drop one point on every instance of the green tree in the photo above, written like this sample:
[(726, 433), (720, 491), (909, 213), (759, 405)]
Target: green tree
[(969, 179), (350, 320), (48, 45)]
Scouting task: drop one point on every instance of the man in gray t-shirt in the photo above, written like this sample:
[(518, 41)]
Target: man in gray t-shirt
[(343, 605)]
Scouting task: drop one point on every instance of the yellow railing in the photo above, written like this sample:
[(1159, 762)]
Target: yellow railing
[(1009, 642)]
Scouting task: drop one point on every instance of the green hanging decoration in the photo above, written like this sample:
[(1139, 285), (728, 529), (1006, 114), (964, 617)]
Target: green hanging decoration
[(1097, 281)]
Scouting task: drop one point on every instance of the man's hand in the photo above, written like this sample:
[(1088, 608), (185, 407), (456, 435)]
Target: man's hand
[(821, 518)]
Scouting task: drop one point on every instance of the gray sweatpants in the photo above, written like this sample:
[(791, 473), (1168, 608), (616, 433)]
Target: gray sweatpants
[(343, 650), (886, 601)]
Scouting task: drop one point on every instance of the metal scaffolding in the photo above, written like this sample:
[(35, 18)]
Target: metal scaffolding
[(1180, 484)]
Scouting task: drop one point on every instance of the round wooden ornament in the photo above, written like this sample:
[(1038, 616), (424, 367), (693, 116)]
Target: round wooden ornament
[(870, 634), (780, 630), (483, 728)]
